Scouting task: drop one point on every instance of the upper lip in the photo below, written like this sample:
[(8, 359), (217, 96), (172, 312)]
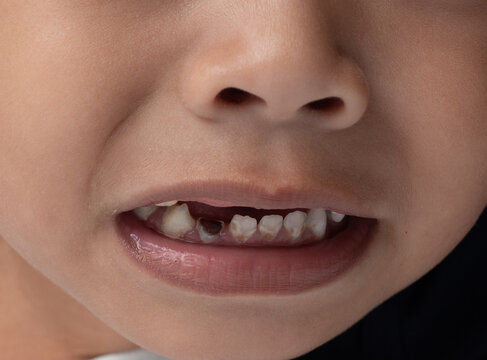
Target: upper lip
[(231, 193)]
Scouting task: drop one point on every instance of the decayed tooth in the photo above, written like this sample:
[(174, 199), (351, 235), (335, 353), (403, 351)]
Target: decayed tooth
[(168, 203), (209, 230), (294, 223), (316, 222), (144, 212), (177, 221), (243, 227), (269, 226), (336, 217)]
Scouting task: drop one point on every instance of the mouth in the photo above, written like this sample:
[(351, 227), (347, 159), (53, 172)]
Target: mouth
[(200, 223), (212, 248)]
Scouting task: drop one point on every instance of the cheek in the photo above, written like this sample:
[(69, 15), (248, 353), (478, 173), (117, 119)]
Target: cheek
[(56, 113), (62, 98), (427, 77), (442, 126), (437, 107)]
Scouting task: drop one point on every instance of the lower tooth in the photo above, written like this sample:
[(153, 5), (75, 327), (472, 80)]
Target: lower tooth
[(243, 227), (177, 221), (269, 226), (144, 212), (209, 230), (294, 223), (316, 222)]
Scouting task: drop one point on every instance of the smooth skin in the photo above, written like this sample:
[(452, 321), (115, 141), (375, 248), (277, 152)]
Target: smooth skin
[(101, 100)]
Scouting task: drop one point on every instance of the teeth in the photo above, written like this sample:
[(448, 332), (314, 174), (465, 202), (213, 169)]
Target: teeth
[(242, 227), (168, 203), (269, 226), (294, 223), (209, 230), (336, 217), (316, 222), (144, 212), (177, 221)]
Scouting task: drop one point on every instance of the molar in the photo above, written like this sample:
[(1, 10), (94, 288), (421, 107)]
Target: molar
[(294, 223), (316, 222), (243, 227), (177, 221), (269, 226)]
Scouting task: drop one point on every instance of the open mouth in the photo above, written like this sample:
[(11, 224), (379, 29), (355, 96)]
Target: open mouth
[(199, 223), (243, 250)]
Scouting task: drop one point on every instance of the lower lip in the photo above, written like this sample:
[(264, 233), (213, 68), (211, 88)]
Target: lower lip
[(227, 270)]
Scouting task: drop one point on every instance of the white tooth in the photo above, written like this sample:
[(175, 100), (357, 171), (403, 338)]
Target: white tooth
[(168, 203), (177, 221), (269, 226), (316, 222), (243, 227), (144, 212), (294, 223), (204, 235), (336, 217)]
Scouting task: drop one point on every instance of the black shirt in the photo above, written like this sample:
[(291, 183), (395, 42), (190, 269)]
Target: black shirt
[(443, 315)]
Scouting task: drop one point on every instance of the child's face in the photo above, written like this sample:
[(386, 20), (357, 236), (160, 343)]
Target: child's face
[(102, 102)]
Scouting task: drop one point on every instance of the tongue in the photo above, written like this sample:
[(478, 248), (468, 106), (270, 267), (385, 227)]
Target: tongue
[(225, 214)]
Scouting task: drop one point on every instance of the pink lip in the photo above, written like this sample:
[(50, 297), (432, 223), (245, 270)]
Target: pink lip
[(225, 270)]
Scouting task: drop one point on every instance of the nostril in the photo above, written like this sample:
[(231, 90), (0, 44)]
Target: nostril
[(233, 95), (329, 104)]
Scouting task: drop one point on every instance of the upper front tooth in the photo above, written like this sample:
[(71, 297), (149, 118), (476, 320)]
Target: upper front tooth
[(177, 221), (144, 212), (294, 223), (336, 217), (316, 222), (167, 203), (242, 227), (270, 225)]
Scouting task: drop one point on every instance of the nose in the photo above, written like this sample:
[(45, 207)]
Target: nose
[(275, 63)]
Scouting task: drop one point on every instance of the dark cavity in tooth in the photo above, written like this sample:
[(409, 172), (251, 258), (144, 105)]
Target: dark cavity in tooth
[(212, 227)]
